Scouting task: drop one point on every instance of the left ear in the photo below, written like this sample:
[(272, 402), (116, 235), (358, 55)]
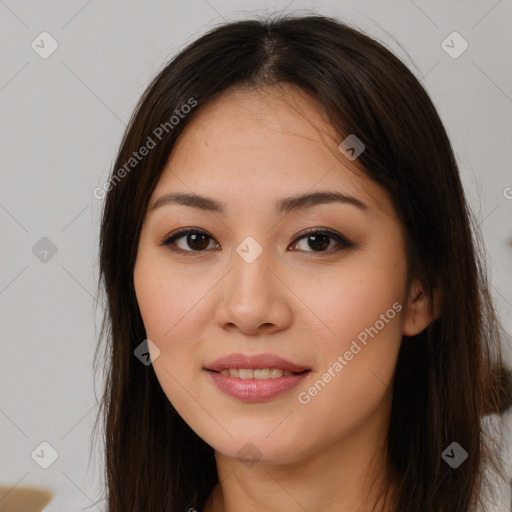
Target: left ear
[(418, 314)]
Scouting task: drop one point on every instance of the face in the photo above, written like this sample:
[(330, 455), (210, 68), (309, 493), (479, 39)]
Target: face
[(250, 281)]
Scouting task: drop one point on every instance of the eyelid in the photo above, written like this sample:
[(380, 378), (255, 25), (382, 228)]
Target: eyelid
[(343, 241)]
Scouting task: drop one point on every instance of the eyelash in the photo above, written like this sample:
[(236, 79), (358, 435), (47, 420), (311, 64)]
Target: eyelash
[(343, 241)]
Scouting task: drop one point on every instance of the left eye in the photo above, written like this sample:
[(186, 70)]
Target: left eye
[(197, 240), (320, 240)]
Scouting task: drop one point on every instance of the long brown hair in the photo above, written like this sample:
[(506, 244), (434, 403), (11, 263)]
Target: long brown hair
[(446, 379)]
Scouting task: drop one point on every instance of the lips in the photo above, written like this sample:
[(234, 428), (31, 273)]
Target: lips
[(249, 378), (255, 362)]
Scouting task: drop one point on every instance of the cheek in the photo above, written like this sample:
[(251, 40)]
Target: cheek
[(172, 320), (357, 367), (165, 307), (347, 301), (360, 311)]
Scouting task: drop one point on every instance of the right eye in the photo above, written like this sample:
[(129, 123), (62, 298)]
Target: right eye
[(196, 239)]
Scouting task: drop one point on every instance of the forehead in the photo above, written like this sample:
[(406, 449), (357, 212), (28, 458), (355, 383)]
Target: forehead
[(278, 107), (267, 143), (260, 118)]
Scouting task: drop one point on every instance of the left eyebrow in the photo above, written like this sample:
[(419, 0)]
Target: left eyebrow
[(284, 205), (304, 201)]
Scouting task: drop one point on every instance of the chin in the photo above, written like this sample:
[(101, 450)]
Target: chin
[(258, 448)]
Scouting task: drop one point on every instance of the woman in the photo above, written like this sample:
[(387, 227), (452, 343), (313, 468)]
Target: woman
[(298, 314)]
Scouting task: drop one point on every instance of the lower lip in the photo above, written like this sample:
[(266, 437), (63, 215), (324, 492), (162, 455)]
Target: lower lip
[(255, 390)]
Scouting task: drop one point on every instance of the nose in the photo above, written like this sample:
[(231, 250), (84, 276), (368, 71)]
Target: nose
[(253, 298)]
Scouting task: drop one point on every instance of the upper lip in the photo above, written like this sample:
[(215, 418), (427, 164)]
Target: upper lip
[(256, 361)]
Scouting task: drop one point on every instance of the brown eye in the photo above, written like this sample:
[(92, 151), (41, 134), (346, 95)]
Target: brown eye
[(194, 241), (197, 241), (319, 240)]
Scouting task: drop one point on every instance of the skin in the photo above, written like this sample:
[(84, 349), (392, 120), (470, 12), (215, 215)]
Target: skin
[(248, 149)]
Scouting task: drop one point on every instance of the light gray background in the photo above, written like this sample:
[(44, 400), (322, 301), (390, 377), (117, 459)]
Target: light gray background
[(62, 119)]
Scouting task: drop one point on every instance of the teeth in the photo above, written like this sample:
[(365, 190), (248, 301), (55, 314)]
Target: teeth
[(276, 372), (262, 374), (245, 374)]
